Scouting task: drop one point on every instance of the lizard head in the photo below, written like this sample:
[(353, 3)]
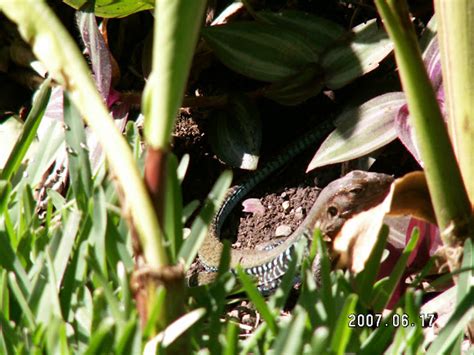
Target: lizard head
[(355, 192)]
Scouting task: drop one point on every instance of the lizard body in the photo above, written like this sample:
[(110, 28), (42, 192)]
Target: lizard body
[(341, 199)]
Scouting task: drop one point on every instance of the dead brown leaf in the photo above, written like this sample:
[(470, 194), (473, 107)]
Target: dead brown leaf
[(408, 195)]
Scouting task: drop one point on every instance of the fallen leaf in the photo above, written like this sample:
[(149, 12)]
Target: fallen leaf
[(408, 195)]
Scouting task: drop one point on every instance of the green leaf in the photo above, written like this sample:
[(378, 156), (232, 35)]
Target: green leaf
[(298, 88), (360, 130), (236, 133), (318, 31), (115, 8), (259, 51), (361, 54)]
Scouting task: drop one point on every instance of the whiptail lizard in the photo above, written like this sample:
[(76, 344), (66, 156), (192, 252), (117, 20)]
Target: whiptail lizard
[(355, 192)]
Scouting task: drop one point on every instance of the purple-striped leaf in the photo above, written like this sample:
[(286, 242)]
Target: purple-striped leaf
[(360, 130)]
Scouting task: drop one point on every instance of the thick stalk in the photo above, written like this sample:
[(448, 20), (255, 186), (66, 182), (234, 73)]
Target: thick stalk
[(455, 28), (449, 197)]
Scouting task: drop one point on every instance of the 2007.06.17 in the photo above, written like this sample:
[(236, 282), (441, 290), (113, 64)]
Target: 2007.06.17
[(375, 320)]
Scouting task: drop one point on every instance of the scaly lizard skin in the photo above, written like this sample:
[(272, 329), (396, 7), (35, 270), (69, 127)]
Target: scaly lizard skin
[(340, 200)]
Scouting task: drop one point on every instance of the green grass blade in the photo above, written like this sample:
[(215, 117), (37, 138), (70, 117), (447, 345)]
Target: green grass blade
[(218, 292), (20, 298), (342, 333), (97, 235), (5, 190), (381, 298), (415, 333), (10, 262), (257, 335), (282, 293), (320, 340), (53, 288), (101, 340), (455, 326), (78, 157), (326, 285), (125, 288), (378, 339), (56, 338), (200, 226), (29, 131), (112, 301), (258, 300), (8, 337), (189, 209), (63, 254), (290, 338), (465, 283), (155, 310), (129, 341), (366, 279), (173, 227), (231, 339)]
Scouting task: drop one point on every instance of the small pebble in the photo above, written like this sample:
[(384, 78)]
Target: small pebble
[(285, 205), (186, 232), (299, 213), (247, 319), (283, 231), (234, 313), (284, 194)]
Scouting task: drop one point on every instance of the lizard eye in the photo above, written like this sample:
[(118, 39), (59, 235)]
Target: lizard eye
[(332, 211), (356, 190)]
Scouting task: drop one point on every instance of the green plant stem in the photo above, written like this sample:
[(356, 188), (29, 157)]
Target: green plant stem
[(450, 201), (455, 29), (175, 35), (52, 44)]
